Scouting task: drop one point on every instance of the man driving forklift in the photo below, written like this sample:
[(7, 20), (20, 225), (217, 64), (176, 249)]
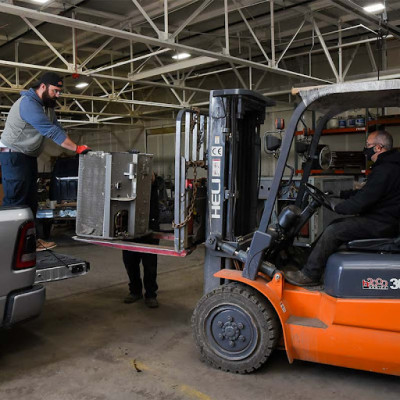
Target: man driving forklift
[(376, 210)]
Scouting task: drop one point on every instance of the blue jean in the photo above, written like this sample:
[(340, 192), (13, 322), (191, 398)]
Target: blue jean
[(19, 175)]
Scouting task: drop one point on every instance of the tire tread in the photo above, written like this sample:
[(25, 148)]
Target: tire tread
[(269, 316)]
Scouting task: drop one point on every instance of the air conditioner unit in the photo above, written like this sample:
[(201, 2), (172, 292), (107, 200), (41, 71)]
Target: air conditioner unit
[(114, 195)]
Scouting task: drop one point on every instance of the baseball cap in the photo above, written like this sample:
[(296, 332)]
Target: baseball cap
[(50, 78)]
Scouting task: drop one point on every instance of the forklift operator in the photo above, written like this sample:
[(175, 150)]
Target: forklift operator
[(376, 210)]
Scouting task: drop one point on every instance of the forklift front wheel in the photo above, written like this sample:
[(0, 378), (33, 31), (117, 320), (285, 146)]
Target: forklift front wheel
[(235, 328)]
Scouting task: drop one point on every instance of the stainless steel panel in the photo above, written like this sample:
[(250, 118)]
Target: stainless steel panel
[(91, 193), (116, 201)]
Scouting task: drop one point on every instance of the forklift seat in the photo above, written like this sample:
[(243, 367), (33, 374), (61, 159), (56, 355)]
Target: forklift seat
[(387, 245)]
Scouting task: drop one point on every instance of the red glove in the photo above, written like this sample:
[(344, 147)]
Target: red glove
[(82, 149)]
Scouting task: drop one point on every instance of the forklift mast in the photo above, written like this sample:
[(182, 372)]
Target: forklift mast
[(233, 174)]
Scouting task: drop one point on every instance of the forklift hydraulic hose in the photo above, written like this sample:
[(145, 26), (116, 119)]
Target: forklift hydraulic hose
[(231, 250), (268, 269)]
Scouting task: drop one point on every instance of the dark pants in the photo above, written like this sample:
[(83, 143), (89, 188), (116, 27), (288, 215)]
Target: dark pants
[(19, 175), (132, 264), (341, 231)]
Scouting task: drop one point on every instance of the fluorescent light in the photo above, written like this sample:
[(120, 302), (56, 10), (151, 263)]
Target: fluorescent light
[(40, 1), (81, 85), (374, 7), (181, 56)]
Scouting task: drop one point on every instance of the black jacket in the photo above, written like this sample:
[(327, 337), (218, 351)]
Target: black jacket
[(379, 199)]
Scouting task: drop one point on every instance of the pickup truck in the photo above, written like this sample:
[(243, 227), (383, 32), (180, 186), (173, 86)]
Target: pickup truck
[(23, 270)]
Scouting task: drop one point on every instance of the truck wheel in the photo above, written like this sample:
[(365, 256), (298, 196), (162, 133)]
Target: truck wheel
[(235, 328)]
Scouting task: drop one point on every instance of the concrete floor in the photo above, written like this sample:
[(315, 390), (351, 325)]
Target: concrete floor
[(89, 345)]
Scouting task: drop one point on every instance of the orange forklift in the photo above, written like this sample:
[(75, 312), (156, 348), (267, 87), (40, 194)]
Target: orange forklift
[(248, 309)]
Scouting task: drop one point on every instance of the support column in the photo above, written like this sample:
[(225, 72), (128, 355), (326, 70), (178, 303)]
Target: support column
[(271, 7), (74, 44), (250, 72), (166, 18), (340, 52), (131, 69), (16, 60), (226, 26)]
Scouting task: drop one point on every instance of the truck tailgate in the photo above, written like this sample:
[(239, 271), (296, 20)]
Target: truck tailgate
[(51, 266)]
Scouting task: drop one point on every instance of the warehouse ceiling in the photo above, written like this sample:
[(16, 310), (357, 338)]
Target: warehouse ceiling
[(123, 50)]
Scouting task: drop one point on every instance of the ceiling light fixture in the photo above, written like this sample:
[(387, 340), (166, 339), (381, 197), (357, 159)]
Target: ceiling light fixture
[(372, 8), (181, 56), (40, 1), (81, 85)]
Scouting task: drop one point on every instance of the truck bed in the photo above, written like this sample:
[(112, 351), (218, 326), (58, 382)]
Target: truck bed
[(52, 266)]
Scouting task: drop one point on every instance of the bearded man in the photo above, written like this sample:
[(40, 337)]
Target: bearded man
[(31, 119)]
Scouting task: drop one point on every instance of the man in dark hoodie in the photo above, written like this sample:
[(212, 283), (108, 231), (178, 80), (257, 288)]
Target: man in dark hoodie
[(30, 120), (376, 208)]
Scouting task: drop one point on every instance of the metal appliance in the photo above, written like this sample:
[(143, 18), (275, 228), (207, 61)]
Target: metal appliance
[(114, 195)]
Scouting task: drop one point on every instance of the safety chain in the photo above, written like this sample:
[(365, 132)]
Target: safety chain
[(195, 120)]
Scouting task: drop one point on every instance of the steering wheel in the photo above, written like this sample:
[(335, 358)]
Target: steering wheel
[(319, 196)]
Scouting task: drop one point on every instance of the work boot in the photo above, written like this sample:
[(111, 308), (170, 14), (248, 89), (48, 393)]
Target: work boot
[(298, 278), (42, 245), (132, 298), (151, 302)]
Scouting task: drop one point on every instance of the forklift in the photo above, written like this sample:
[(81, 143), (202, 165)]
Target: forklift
[(248, 309), (353, 319)]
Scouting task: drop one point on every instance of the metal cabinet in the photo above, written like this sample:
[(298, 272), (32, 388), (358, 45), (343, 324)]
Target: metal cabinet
[(114, 195)]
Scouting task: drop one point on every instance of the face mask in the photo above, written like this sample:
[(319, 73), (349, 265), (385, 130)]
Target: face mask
[(369, 152)]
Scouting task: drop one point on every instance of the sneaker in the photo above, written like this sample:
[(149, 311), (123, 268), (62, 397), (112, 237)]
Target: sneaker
[(42, 245), (151, 302), (132, 298)]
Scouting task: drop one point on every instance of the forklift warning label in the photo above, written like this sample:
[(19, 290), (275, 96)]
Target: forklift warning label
[(216, 168)]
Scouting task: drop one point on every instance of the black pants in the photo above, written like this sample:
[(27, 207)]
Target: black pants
[(132, 264), (341, 231), (19, 175)]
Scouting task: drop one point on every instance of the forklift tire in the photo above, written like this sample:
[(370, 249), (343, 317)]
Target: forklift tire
[(235, 328)]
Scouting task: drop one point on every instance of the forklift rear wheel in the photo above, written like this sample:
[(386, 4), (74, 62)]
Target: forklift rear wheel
[(235, 328)]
